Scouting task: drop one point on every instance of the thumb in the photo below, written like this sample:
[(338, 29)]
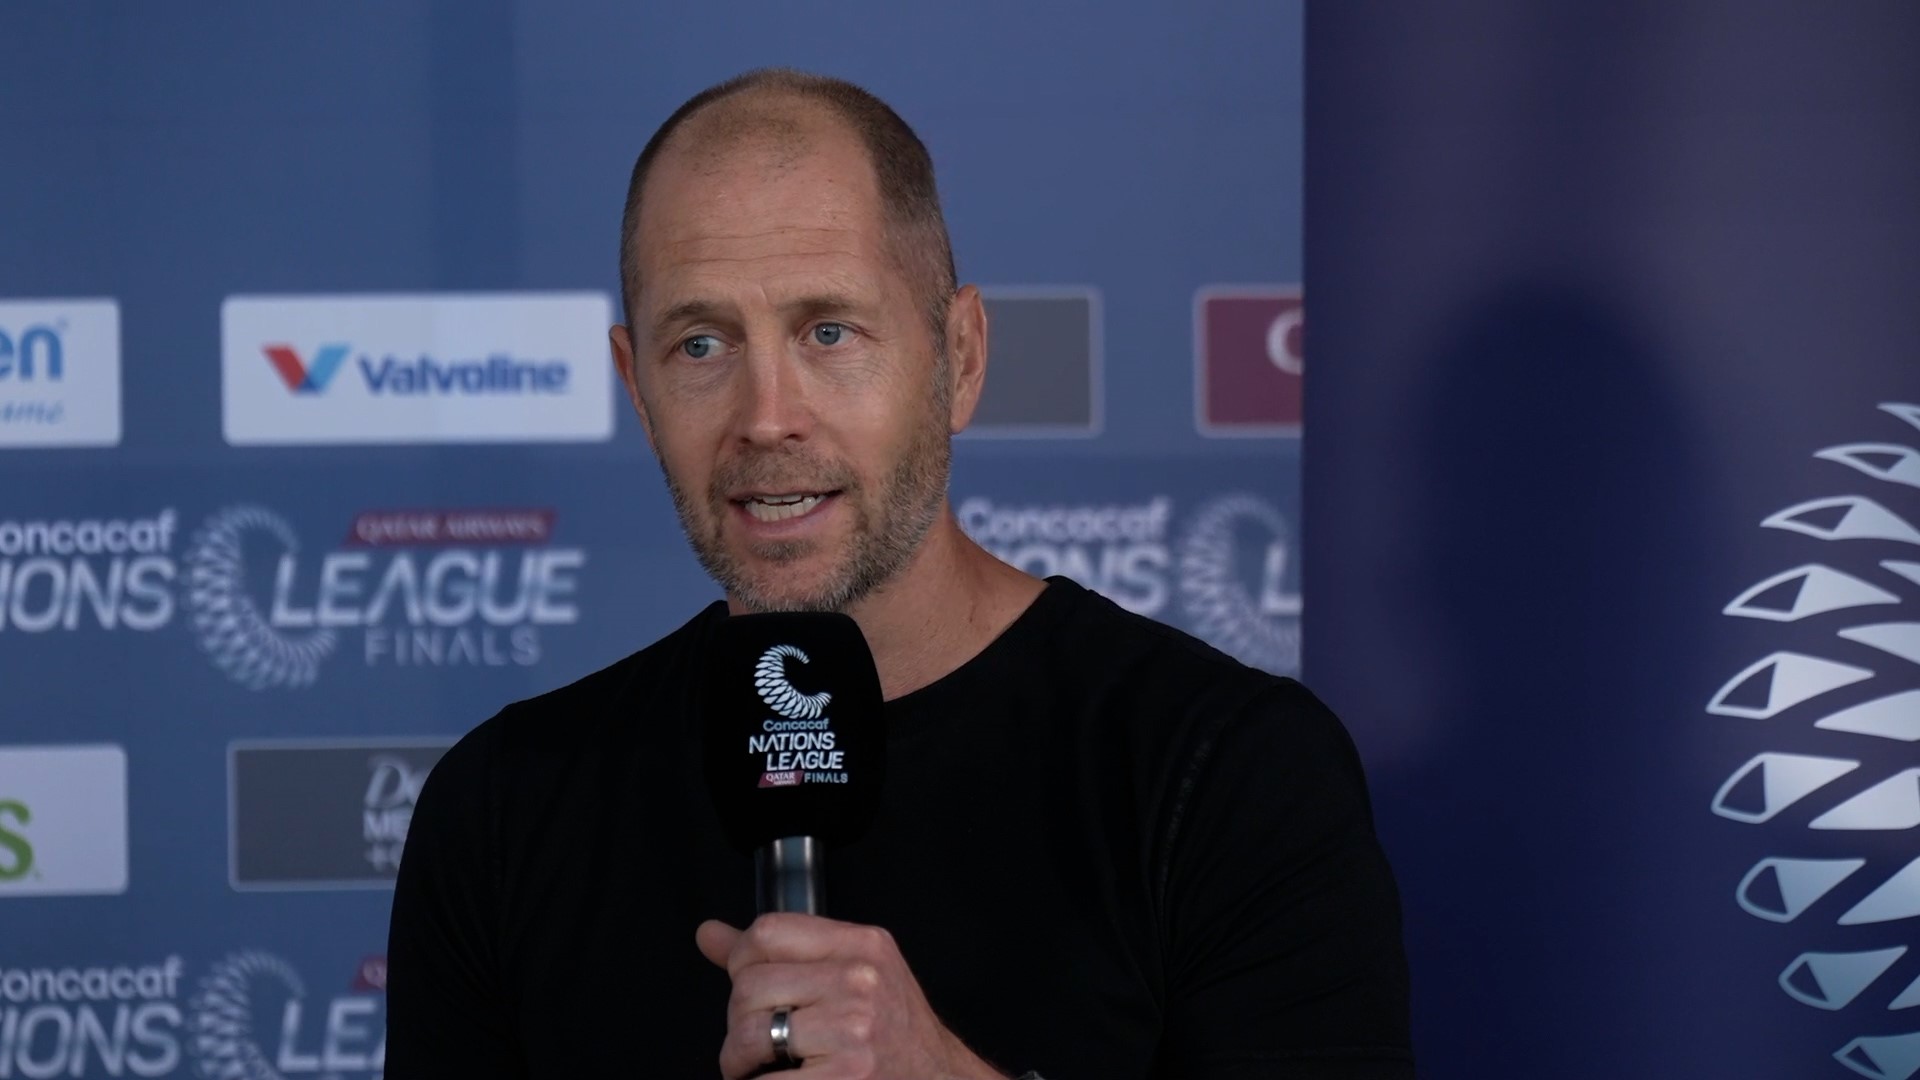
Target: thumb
[(716, 939)]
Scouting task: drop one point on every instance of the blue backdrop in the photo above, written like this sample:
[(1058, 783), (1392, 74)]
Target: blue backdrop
[(250, 584), (1611, 507)]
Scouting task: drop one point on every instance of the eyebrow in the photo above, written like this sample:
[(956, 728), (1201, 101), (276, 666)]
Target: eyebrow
[(685, 312), (814, 305)]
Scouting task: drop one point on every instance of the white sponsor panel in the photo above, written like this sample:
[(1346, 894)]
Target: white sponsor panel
[(428, 368), (63, 820), (59, 373)]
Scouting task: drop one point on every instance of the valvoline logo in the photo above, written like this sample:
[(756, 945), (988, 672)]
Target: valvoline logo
[(306, 377), (497, 373), (412, 368)]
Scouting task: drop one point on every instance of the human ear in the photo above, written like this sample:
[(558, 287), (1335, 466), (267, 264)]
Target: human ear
[(966, 356), (622, 340)]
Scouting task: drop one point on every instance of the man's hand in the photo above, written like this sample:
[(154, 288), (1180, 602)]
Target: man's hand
[(855, 1011)]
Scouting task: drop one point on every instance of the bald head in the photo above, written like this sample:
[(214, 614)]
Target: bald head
[(776, 118)]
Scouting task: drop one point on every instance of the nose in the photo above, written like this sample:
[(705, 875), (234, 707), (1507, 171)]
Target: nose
[(773, 405)]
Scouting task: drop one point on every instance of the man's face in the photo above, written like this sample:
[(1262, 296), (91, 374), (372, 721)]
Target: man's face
[(784, 369)]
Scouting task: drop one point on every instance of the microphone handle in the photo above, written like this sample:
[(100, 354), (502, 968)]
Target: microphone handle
[(786, 876)]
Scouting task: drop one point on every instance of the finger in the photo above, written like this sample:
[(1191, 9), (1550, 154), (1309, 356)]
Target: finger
[(764, 987), (716, 941), (817, 1035), (749, 1044), (785, 937)]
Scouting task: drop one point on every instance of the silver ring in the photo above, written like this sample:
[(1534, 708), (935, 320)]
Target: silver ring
[(781, 1028)]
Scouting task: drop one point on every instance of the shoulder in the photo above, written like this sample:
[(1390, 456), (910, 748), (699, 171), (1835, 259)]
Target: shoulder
[(1183, 713), (1139, 658)]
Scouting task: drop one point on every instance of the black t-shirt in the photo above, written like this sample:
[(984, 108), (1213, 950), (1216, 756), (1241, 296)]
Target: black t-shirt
[(1106, 850)]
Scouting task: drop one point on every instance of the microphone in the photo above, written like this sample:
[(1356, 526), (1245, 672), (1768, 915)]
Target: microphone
[(795, 751)]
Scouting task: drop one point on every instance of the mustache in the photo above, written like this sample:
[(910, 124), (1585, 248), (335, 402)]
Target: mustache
[(780, 470)]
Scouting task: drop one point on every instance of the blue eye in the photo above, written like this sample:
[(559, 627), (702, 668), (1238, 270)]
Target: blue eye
[(700, 346), (829, 333)]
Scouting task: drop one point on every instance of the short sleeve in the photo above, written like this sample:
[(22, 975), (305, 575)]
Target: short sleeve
[(447, 1014), (1284, 950)]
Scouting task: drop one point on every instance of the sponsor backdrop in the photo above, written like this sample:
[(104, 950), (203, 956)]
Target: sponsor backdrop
[(311, 457), (1613, 522)]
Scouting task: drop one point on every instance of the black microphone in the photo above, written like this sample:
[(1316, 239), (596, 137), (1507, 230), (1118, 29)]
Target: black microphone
[(795, 751)]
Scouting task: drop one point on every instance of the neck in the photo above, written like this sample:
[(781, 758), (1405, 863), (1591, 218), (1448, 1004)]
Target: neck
[(948, 603)]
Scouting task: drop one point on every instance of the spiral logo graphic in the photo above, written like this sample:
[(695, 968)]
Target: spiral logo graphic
[(1839, 793), (230, 627), (219, 1027), (1243, 613), (770, 679)]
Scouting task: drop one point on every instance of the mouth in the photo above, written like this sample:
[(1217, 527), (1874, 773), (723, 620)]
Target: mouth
[(781, 507)]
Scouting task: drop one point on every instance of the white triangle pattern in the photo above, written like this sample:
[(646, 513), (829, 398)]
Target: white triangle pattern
[(1908, 998), (1841, 976), (1909, 413), (1784, 780), (1864, 519), (1902, 639), (1898, 897), (1895, 1057), (1802, 883), (1904, 470), (1796, 677), (1896, 716), (1822, 589), (1893, 803)]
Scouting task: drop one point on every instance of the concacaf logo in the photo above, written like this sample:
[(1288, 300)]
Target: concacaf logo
[(221, 1034), (232, 629), (770, 679), (1840, 794)]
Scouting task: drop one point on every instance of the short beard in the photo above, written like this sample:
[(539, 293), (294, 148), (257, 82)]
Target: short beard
[(909, 504)]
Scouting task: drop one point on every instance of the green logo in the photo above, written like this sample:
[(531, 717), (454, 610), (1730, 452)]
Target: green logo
[(13, 841)]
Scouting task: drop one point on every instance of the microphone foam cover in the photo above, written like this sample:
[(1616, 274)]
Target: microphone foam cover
[(794, 742)]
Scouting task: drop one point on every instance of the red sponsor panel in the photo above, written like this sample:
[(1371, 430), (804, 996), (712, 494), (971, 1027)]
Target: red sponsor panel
[(1250, 359)]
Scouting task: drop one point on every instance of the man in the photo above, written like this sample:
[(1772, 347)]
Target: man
[(1105, 851)]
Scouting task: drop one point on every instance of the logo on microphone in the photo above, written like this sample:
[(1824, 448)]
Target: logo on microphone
[(800, 746), (770, 679)]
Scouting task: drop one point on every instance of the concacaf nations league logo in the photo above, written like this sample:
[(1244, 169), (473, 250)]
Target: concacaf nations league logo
[(1222, 570), (1232, 574), (770, 680), (231, 628), (220, 1032), (1839, 791), (251, 1020)]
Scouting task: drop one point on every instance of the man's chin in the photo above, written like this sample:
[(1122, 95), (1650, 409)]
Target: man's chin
[(788, 585), (786, 599)]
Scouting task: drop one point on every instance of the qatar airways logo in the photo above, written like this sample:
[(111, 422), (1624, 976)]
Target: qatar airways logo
[(406, 588), (1222, 569)]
